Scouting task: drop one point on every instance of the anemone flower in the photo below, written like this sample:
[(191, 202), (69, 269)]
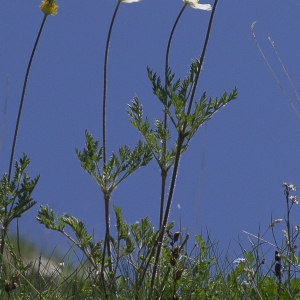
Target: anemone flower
[(196, 5), (129, 1)]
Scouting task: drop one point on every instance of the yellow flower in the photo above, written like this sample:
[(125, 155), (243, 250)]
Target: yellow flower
[(49, 7)]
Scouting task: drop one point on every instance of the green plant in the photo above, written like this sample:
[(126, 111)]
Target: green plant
[(280, 279), (182, 116), (15, 196), (138, 262)]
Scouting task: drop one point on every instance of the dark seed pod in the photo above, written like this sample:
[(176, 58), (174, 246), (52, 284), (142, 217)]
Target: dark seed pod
[(277, 256), (176, 236), (278, 270), (178, 274), (173, 261), (7, 286), (176, 252)]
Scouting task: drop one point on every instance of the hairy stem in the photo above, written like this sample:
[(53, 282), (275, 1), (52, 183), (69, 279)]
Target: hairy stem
[(106, 246), (162, 196), (180, 141), (163, 228), (105, 82), (164, 145), (5, 226), (22, 98), (202, 56), (106, 195), (107, 230)]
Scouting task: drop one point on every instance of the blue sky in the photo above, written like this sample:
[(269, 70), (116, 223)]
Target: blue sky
[(247, 150)]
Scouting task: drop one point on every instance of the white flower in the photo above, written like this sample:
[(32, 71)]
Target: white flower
[(194, 4), (239, 260), (250, 272), (286, 236), (289, 186), (294, 199), (61, 265), (129, 1), (275, 222)]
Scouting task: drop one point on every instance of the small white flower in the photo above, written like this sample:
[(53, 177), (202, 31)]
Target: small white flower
[(178, 206), (129, 1), (275, 222), (239, 260), (286, 236), (196, 5), (250, 272), (294, 199), (297, 227), (289, 186)]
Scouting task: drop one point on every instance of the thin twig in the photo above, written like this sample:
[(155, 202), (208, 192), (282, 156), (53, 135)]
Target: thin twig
[(284, 69), (273, 73), (259, 238)]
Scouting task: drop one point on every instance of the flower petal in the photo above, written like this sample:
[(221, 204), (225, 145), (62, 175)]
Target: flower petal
[(130, 1), (194, 4), (202, 6)]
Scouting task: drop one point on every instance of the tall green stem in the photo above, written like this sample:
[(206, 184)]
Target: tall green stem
[(105, 193), (105, 82), (22, 98), (180, 141), (202, 57), (164, 145), (4, 231), (288, 225)]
